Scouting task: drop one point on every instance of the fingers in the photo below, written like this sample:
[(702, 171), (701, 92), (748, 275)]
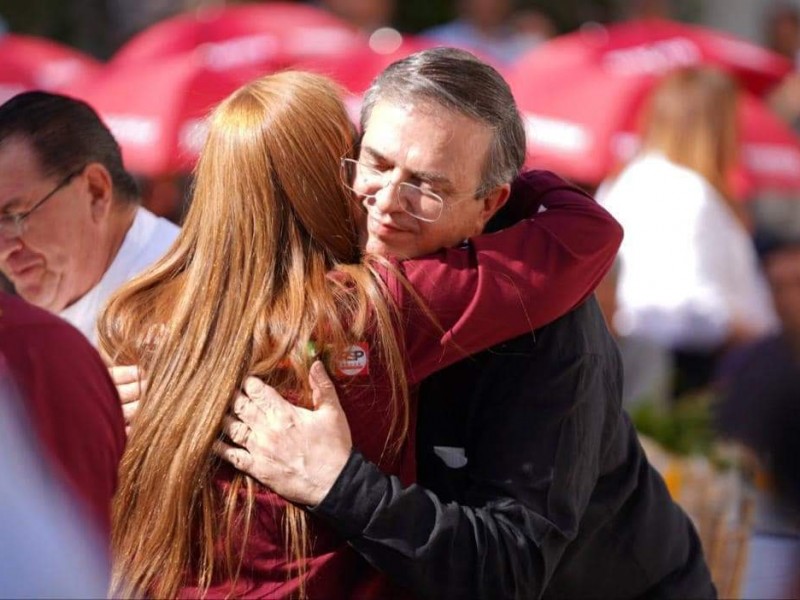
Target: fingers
[(124, 374), (263, 409), (323, 391), (318, 376), (262, 394), (237, 431), (246, 409), (258, 396), (126, 380), (131, 392), (238, 457), (129, 411)]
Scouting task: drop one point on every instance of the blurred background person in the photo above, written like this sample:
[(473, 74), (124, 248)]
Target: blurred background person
[(784, 100), (72, 405), (689, 277), (760, 382), (49, 549), (782, 34), (758, 391), (650, 9), (126, 18), (366, 15), (646, 364), (72, 229), (534, 26), (782, 30), (491, 28), (166, 195)]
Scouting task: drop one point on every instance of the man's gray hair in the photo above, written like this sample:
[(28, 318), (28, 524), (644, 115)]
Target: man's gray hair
[(457, 80)]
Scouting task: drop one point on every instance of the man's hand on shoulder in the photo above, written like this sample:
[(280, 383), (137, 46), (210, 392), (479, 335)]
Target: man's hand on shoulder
[(296, 452)]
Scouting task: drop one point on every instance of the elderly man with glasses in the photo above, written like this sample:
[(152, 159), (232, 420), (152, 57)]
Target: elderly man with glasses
[(71, 227), (71, 232), (531, 480)]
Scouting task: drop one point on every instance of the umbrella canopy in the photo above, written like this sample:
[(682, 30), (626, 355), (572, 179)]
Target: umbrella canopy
[(29, 62), (581, 96), (232, 36), (652, 47), (356, 69), (157, 111)]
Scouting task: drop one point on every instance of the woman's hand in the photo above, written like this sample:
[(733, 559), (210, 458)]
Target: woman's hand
[(129, 387)]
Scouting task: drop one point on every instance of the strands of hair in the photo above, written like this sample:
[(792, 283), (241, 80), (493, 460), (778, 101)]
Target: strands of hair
[(267, 262)]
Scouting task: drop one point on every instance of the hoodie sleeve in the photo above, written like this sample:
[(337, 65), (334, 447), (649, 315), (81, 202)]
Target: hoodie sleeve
[(500, 285)]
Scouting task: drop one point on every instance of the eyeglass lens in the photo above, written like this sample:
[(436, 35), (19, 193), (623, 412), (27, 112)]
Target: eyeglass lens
[(13, 226), (413, 200)]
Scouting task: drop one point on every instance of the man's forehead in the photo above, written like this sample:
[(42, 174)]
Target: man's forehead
[(18, 156), (422, 111), (429, 136), (20, 170), (431, 176)]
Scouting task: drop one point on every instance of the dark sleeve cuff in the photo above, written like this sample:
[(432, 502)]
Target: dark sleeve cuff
[(355, 496)]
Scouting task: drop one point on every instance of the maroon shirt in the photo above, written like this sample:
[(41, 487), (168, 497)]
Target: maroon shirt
[(71, 401), (494, 288)]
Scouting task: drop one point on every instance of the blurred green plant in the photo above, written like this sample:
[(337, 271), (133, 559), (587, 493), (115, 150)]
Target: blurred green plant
[(684, 428)]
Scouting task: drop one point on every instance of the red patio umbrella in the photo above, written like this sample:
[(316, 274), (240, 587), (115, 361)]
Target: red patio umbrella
[(157, 111), (238, 35), (581, 96), (356, 68), (29, 62)]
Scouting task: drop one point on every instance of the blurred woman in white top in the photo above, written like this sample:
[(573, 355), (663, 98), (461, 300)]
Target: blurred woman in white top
[(690, 278)]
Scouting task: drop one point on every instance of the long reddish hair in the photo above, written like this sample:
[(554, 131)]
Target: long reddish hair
[(246, 288)]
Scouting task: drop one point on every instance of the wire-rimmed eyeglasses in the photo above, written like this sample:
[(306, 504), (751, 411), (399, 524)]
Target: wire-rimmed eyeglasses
[(419, 203), (13, 226)]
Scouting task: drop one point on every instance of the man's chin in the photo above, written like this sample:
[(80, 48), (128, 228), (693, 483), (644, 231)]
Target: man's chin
[(382, 248), (39, 295)]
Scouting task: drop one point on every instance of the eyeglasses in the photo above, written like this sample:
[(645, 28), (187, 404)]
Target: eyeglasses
[(13, 226), (420, 204)]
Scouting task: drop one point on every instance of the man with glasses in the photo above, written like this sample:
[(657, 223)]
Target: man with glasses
[(531, 480), (72, 230)]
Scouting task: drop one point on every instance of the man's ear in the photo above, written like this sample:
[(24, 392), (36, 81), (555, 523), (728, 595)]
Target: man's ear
[(493, 202), (100, 188)]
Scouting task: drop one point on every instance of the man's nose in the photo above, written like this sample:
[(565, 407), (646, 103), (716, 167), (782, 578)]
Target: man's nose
[(9, 245), (386, 199)]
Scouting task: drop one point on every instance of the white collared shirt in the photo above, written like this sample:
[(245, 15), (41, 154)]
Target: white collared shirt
[(146, 241)]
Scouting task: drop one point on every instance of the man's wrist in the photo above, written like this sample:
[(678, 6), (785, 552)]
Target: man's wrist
[(334, 487), (324, 481), (354, 497)]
